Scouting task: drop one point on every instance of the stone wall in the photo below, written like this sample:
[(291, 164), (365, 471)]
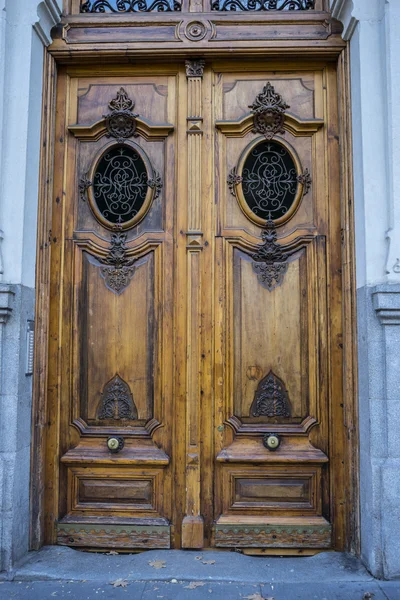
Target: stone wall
[(24, 31), (373, 28)]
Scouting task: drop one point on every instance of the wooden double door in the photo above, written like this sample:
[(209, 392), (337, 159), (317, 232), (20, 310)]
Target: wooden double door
[(195, 366)]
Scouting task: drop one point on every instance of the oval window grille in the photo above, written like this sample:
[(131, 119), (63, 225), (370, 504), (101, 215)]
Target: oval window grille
[(268, 181), (123, 185)]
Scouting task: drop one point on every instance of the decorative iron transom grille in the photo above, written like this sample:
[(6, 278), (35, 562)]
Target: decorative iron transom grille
[(269, 180), (223, 5), (120, 184), (124, 6)]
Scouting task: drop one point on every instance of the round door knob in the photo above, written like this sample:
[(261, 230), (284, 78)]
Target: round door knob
[(272, 441), (115, 444)]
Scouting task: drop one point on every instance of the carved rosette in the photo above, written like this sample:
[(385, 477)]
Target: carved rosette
[(116, 401), (233, 180), (269, 112), (271, 398), (117, 270), (270, 262), (121, 122)]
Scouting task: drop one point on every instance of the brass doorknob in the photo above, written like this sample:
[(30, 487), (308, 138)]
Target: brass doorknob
[(272, 441), (115, 444)]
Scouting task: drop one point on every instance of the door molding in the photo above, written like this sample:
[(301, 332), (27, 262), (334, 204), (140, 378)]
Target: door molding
[(63, 52)]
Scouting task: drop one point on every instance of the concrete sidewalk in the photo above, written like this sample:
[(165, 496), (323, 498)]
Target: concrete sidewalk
[(58, 572)]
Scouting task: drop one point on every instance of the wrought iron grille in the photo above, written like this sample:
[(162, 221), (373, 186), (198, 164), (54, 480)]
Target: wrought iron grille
[(261, 5), (125, 6), (120, 184), (269, 180)]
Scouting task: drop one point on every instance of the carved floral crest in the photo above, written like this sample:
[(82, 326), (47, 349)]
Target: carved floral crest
[(117, 270), (271, 398), (194, 68), (121, 122), (270, 262), (269, 112), (117, 401)]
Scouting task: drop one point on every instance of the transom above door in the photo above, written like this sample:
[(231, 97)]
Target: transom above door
[(195, 374)]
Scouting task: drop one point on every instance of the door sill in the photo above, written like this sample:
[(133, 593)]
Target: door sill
[(272, 532), (114, 533)]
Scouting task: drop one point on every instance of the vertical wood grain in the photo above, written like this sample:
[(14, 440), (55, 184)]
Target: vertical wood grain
[(192, 525), (43, 273)]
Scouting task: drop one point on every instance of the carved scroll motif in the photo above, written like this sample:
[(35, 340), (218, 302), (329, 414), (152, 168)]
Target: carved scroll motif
[(121, 122), (305, 180), (269, 112), (262, 5), (117, 401), (271, 398), (270, 262), (126, 6), (84, 185), (156, 184), (117, 270), (233, 180)]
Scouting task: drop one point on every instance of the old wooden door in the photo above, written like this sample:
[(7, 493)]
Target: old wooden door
[(195, 383)]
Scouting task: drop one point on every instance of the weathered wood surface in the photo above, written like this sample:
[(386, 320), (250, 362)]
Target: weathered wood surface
[(194, 335)]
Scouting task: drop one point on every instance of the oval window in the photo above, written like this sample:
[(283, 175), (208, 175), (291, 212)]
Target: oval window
[(121, 191), (269, 186)]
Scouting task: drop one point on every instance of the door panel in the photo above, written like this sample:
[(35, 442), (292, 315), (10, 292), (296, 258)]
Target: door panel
[(272, 310), (114, 310), (200, 329)]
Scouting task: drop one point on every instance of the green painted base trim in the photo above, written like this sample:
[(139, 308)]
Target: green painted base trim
[(273, 536), (113, 536)]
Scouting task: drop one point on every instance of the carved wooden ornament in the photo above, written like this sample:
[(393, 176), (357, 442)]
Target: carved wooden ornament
[(270, 262), (269, 112), (117, 270), (271, 398), (117, 401), (121, 122)]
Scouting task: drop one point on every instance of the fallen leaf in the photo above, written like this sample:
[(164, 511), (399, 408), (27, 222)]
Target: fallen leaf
[(111, 553), (194, 584), (368, 596), (198, 557), (208, 562), (258, 596), (157, 564), (119, 583)]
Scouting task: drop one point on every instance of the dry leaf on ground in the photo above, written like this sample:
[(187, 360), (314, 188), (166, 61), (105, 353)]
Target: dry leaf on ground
[(119, 583), (198, 557), (112, 552), (157, 564), (194, 584), (258, 596), (208, 562)]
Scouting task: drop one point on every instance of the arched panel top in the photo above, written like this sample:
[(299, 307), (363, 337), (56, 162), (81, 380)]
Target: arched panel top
[(295, 126)]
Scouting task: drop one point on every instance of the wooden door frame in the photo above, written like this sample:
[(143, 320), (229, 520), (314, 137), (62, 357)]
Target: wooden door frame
[(336, 53)]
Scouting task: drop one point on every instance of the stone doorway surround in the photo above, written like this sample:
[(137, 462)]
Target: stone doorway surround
[(373, 29)]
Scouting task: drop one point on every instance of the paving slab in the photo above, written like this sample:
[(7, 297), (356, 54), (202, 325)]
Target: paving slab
[(391, 589), (324, 591), (56, 562), (208, 591), (162, 590)]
